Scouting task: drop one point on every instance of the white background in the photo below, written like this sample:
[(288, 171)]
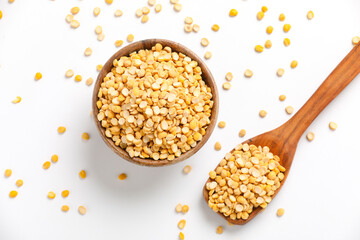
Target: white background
[(321, 196)]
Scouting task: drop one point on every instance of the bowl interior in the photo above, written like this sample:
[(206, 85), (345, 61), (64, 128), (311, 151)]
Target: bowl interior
[(148, 44)]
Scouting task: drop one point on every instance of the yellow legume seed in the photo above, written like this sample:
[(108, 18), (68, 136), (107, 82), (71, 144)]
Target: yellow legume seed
[(286, 27), (1, 14), (122, 176), (233, 12), (332, 126), (259, 48), (221, 124), (215, 27), (181, 236), (208, 55), (264, 9), (82, 210), (96, 11), (130, 38), (16, 100), (260, 15), (226, 85), (158, 8), (101, 37), (61, 129), (74, 23), (54, 158), (242, 133), (118, 13), (248, 73), (118, 43), (294, 64), (268, 44), (187, 169), (82, 174), (98, 29), (356, 40), (185, 209), (310, 15), (8, 173), (280, 212), (195, 28), (181, 224), (262, 113), (109, 1), (38, 76), (89, 81), (13, 194), (19, 183), (219, 230), (65, 193), (217, 146), (204, 42), (188, 20), (282, 98), (145, 18), (282, 17), (269, 29), (151, 2), (310, 136), (99, 67), (187, 28), (65, 208), (75, 10), (69, 18), (46, 165), (69, 73), (286, 42), (178, 208), (280, 72), (88, 51), (289, 110), (51, 195), (177, 7), (229, 76), (145, 10), (85, 136), (78, 78)]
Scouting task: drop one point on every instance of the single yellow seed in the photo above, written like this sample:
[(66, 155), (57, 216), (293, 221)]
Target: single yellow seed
[(356, 40), (78, 78), (69, 73), (130, 38), (145, 18), (89, 81), (332, 126), (181, 224), (178, 208), (11, 1), (158, 8), (13, 194), (118, 43), (269, 29), (286, 27), (187, 28), (233, 12), (8, 173), (54, 158), (294, 64), (101, 37), (145, 10), (208, 55), (229, 76), (204, 42), (151, 2), (217, 146), (19, 183), (74, 23), (289, 110), (282, 17), (16, 100), (215, 27), (65, 208), (122, 176), (259, 48), (88, 51), (262, 113), (187, 169), (38, 76), (51, 195), (82, 174), (242, 133), (177, 7), (98, 29), (260, 15), (85, 136), (69, 18), (118, 13), (99, 67), (1, 14), (188, 20), (282, 98), (75, 10), (286, 42), (46, 165), (219, 230), (96, 11), (310, 136), (248, 73), (65, 193), (109, 1), (195, 28), (310, 15), (268, 44), (226, 85), (221, 124), (185, 209), (181, 236), (82, 210), (280, 212), (280, 72), (264, 9)]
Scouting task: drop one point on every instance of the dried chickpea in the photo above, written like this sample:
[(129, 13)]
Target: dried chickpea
[(89, 81), (226, 85), (54, 158), (8, 173), (65, 193), (332, 126), (289, 110), (82, 210), (82, 174), (264, 9), (268, 44), (269, 30), (46, 165), (356, 40), (19, 183), (282, 98), (177, 7), (96, 11), (78, 78), (248, 73), (16, 100), (69, 73), (280, 212), (286, 42), (262, 113), (51, 195), (286, 27), (208, 55), (294, 64), (215, 27), (181, 224), (259, 48), (260, 15), (187, 169), (118, 13), (130, 38), (122, 176), (13, 194), (158, 8), (229, 76), (242, 133), (310, 15), (219, 230), (280, 72), (221, 124), (88, 51), (204, 42), (233, 13), (65, 208), (85, 136), (75, 10), (118, 43), (310, 136), (282, 17), (195, 28), (217, 146)]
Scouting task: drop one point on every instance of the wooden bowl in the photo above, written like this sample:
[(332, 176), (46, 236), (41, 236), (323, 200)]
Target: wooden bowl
[(206, 75)]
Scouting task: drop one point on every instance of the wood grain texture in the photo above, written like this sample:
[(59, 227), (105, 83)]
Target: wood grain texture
[(283, 140), (206, 75)]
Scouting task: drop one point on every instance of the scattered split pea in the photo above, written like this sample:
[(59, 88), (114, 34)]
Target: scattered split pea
[(282, 98), (208, 55), (82, 174), (280, 212), (310, 15), (16, 100), (204, 42), (332, 126), (280, 72), (8, 173), (187, 169), (38, 76), (217, 146), (69, 73), (82, 210), (310, 136), (219, 230), (262, 113), (51, 195), (242, 133), (96, 11), (282, 17), (19, 183), (65, 208), (46, 165), (221, 124), (229, 76), (54, 158), (289, 110), (13, 194), (233, 13), (181, 224), (122, 176), (248, 73), (226, 85), (85, 136)]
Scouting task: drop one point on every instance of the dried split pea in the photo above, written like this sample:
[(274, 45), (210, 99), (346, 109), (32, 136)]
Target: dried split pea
[(282, 98), (16, 100), (219, 230), (98, 29), (248, 73), (280, 72), (65, 208), (356, 40), (217, 146), (260, 15), (145, 18), (69, 73), (286, 42), (1, 14), (181, 224), (187, 28), (242, 133), (208, 55), (188, 20), (264, 9), (51, 195), (259, 48), (38, 76), (89, 81), (85, 136), (74, 23), (99, 67), (294, 64), (88, 51), (8, 173), (233, 12), (229, 76), (13, 194), (82, 210), (215, 27), (69, 18), (178, 208), (310, 15), (177, 7), (332, 126), (289, 110), (65, 193), (138, 13), (195, 28), (158, 8), (185, 209), (75, 10), (118, 13), (310, 136), (282, 17), (54, 158), (46, 165), (262, 113), (82, 174), (109, 1), (280, 212), (268, 44), (221, 124), (78, 78), (122, 176), (269, 30), (204, 42), (96, 11), (286, 27), (19, 183), (226, 85), (145, 10), (187, 169), (130, 38), (181, 236), (118, 43), (151, 2), (101, 37)]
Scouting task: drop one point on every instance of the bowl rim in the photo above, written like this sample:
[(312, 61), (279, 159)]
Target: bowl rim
[(209, 80)]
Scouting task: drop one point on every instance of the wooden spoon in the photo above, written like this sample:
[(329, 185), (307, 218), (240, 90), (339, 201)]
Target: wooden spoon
[(283, 140)]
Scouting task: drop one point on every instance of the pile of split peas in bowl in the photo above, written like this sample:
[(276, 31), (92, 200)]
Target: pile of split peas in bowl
[(155, 104)]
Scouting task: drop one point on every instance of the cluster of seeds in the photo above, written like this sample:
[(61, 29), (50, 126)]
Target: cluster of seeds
[(70, 17), (189, 26), (18, 183), (181, 224), (154, 103), (245, 179), (177, 6), (143, 14)]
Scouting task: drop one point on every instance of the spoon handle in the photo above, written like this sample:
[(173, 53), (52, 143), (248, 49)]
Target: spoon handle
[(342, 75)]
